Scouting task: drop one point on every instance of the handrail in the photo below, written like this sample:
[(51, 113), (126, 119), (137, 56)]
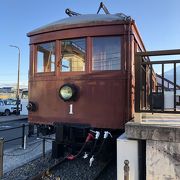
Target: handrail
[(159, 53), (151, 98)]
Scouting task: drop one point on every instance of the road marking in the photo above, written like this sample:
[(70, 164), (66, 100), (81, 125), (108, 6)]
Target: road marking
[(5, 126)]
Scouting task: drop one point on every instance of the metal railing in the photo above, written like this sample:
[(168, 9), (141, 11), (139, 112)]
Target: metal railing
[(23, 144), (149, 93), (23, 137), (3, 141)]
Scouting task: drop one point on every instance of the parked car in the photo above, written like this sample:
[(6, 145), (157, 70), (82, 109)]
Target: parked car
[(8, 106)]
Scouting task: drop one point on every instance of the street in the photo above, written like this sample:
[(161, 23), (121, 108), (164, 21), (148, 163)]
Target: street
[(8, 134)]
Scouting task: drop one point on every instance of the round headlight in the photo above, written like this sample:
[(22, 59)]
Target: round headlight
[(31, 106), (67, 92)]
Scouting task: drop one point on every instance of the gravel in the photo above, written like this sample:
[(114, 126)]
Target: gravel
[(30, 169), (77, 169), (110, 173)]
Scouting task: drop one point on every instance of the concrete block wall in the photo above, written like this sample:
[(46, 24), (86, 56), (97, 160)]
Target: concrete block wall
[(162, 160), (162, 149)]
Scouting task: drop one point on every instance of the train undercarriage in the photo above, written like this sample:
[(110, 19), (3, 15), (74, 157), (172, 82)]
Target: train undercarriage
[(74, 140)]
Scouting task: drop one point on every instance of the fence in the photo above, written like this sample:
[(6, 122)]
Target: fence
[(23, 137), (156, 92)]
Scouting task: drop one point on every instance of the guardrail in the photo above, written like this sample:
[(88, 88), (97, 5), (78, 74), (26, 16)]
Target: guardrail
[(24, 141), (2, 141), (23, 137), (152, 85)]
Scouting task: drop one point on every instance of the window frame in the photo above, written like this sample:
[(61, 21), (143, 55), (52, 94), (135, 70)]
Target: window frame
[(60, 55), (36, 60), (120, 48), (88, 57)]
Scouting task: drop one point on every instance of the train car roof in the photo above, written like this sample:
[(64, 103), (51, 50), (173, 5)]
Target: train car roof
[(81, 20)]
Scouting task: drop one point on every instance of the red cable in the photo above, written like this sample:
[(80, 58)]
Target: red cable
[(70, 157), (89, 138)]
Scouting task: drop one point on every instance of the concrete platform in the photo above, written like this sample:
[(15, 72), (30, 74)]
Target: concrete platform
[(161, 118), (160, 132), (162, 140), (162, 150)]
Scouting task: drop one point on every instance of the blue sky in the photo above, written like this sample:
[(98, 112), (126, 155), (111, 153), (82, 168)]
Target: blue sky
[(158, 22)]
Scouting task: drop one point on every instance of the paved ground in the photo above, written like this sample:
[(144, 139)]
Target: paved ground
[(17, 156), (14, 130), (12, 118)]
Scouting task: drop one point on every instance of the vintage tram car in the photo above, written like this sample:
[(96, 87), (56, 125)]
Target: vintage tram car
[(81, 75)]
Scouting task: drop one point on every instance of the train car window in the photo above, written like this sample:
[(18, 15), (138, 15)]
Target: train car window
[(73, 54), (46, 57), (106, 53)]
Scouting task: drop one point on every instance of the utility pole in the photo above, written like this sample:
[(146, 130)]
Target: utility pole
[(17, 92)]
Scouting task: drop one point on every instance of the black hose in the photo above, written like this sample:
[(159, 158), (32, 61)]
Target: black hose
[(100, 148), (94, 146)]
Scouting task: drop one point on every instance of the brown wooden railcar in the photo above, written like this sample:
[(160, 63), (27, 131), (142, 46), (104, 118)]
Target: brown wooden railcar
[(105, 92)]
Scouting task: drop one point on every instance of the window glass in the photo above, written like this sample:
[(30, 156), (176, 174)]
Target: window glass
[(73, 54), (46, 57), (10, 102), (106, 53), (6, 102), (24, 95)]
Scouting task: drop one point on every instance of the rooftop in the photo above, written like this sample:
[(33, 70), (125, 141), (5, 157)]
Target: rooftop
[(87, 19)]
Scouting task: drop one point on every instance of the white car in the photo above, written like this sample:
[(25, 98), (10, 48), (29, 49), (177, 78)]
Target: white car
[(7, 107)]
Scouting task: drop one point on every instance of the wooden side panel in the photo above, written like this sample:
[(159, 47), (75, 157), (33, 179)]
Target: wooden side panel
[(81, 32), (101, 102), (133, 50)]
